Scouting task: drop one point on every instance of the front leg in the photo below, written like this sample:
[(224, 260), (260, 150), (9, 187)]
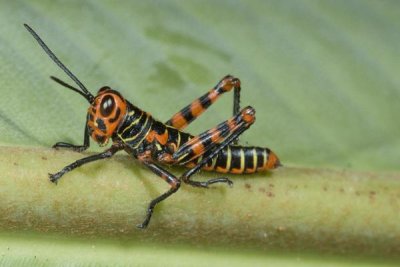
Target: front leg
[(106, 154), (86, 142)]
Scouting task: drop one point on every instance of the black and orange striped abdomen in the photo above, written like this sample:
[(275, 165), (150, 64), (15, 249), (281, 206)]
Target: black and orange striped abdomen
[(239, 159)]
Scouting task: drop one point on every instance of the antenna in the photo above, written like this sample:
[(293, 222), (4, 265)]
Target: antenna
[(85, 92), (67, 85)]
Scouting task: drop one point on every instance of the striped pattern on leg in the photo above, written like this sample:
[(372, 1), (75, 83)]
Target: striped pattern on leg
[(189, 113)]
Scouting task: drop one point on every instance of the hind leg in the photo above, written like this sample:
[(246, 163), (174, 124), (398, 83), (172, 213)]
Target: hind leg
[(208, 144), (192, 111)]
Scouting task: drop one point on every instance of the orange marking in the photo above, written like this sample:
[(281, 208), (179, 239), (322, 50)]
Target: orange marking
[(163, 138), (198, 148), (248, 115), (227, 84), (195, 145), (252, 170), (196, 108), (272, 161), (150, 136), (178, 121), (236, 171), (221, 170), (248, 118), (190, 164), (215, 135), (231, 124), (213, 95), (208, 168)]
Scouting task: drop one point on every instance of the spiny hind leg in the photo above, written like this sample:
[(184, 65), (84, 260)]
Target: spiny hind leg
[(208, 144), (192, 111)]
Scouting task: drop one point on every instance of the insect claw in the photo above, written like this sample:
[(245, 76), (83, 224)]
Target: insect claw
[(223, 180), (79, 148), (199, 184), (204, 185), (54, 178), (141, 226), (144, 224)]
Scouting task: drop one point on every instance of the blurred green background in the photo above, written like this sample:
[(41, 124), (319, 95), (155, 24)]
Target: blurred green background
[(322, 75)]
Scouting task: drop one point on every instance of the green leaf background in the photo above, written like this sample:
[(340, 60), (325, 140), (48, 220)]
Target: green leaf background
[(322, 75)]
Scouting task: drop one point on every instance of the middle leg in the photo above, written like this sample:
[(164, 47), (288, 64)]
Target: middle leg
[(170, 179)]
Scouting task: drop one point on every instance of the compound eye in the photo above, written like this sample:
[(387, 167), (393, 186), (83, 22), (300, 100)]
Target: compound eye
[(107, 106)]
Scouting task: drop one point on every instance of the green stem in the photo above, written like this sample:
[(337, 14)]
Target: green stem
[(294, 209)]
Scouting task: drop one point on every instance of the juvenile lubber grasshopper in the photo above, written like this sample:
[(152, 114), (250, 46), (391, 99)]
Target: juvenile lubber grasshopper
[(151, 142)]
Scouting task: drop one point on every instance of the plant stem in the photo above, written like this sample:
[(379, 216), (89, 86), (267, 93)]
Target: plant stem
[(295, 209)]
